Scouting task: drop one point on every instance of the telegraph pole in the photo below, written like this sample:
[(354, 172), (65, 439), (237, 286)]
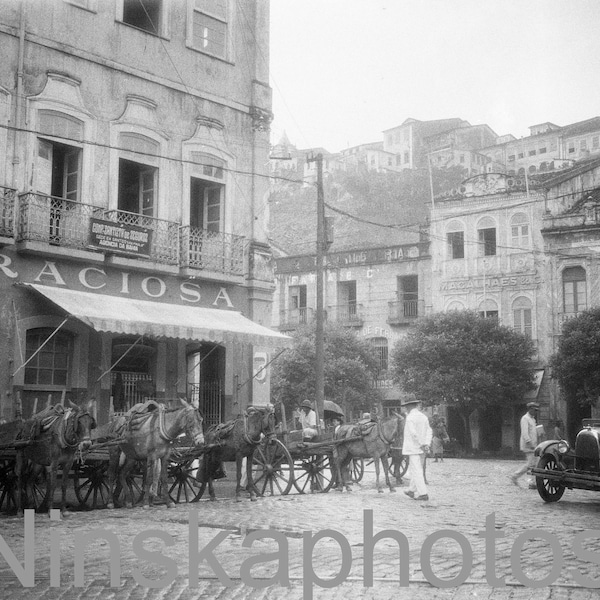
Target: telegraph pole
[(319, 341)]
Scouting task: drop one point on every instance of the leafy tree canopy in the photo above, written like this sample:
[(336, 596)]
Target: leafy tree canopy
[(350, 366), (576, 361), (463, 360)]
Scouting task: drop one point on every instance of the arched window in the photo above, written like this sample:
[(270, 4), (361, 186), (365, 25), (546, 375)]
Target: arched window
[(455, 236), (488, 309), (380, 344), (486, 236), (48, 357), (574, 290), (455, 305), (522, 316), (519, 229)]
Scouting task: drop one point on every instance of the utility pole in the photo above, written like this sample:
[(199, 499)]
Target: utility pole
[(319, 341)]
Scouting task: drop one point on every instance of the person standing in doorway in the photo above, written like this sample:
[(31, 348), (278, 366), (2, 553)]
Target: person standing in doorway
[(416, 445), (527, 443)]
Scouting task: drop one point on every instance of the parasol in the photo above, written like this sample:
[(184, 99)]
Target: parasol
[(331, 409)]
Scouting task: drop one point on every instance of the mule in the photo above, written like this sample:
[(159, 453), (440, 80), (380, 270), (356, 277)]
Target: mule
[(376, 440), (234, 441), (54, 435), (149, 436)]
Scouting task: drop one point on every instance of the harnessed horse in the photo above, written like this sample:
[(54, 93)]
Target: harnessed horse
[(54, 437), (149, 436), (235, 440), (376, 439)]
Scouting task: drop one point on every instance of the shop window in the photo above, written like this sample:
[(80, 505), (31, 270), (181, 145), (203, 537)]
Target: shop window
[(519, 227), (522, 321), (486, 236), (574, 290), (143, 14), (209, 29), (48, 357)]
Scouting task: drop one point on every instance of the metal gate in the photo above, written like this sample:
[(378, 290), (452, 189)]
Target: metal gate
[(208, 394), (126, 391)]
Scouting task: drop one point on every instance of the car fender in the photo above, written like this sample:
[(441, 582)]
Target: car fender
[(547, 447)]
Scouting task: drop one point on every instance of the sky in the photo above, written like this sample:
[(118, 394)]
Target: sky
[(343, 71)]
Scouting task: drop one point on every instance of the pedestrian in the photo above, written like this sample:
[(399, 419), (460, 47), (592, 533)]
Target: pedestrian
[(308, 420), (527, 443), (440, 437), (558, 430), (416, 445)]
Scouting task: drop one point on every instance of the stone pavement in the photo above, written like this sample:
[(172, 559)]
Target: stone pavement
[(319, 540)]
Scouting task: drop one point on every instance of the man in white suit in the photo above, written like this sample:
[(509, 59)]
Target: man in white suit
[(417, 440)]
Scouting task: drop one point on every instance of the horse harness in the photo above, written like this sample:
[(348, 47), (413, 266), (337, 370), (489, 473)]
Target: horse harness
[(247, 437)]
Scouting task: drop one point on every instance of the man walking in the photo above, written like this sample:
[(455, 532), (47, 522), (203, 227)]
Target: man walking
[(417, 440), (527, 443)]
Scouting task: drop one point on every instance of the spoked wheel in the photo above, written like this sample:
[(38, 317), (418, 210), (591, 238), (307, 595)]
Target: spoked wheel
[(549, 489), (314, 474), (400, 466), (272, 469), (135, 482), (35, 479), (8, 485), (357, 469), (91, 484), (181, 479)]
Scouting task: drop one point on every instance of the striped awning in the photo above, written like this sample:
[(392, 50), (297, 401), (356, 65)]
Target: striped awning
[(120, 315)]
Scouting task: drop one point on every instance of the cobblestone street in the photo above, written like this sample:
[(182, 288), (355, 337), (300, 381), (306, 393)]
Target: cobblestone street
[(464, 495)]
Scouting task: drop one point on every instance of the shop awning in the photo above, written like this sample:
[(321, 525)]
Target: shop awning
[(532, 394), (115, 314)]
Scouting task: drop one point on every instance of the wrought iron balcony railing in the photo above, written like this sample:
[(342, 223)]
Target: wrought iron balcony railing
[(294, 318), (55, 221), (405, 311), (212, 251), (349, 314), (165, 234), (7, 212)]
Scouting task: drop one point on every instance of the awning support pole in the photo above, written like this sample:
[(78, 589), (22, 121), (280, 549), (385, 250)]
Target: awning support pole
[(241, 385), (120, 358), (39, 349)]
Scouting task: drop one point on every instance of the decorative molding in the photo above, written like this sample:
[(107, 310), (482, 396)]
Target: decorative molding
[(261, 119)]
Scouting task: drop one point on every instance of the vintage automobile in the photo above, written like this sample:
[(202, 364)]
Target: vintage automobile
[(560, 466)]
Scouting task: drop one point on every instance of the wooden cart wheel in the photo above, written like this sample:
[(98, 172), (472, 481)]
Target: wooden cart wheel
[(314, 474), (272, 469), (181, 480), (357, 469), (135, 482), (91, 483), (8, 485)]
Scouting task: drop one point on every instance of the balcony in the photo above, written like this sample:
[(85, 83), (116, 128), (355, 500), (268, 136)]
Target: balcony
[(562, 318), (289, 320), (216, 252), (405, 312), (7, 215), (348, 315), (56, 226)]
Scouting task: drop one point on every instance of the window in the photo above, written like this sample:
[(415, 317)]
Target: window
[(542, 150), (520, 155), (58, 170), (346, 300), (532, 153), (596, 142), (519, 229), (380, 345), (582, 144), (571, 147), (522, 316), (511, 158), (456, 244), (205, 205), (408, 295), (574, 292), (298, 302), (143, 14), (398, 159), (137, 188), (405, 157), (486, 233), (49, 356), (209, 27), (488, 309)]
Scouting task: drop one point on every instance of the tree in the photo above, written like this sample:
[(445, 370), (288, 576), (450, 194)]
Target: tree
[(465, 361), (576, 361), (350, 366)]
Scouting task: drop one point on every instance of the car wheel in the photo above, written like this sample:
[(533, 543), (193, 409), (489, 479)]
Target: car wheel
[(549, 489)]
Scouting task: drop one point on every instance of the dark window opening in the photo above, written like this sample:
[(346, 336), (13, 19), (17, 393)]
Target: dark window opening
[(487, 242), (456, 243), (137, 188), (205, 205), (143, 14)]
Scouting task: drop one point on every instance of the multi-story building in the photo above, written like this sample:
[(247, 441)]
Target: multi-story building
[(490, 253), (547, 147), (133, 235)]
